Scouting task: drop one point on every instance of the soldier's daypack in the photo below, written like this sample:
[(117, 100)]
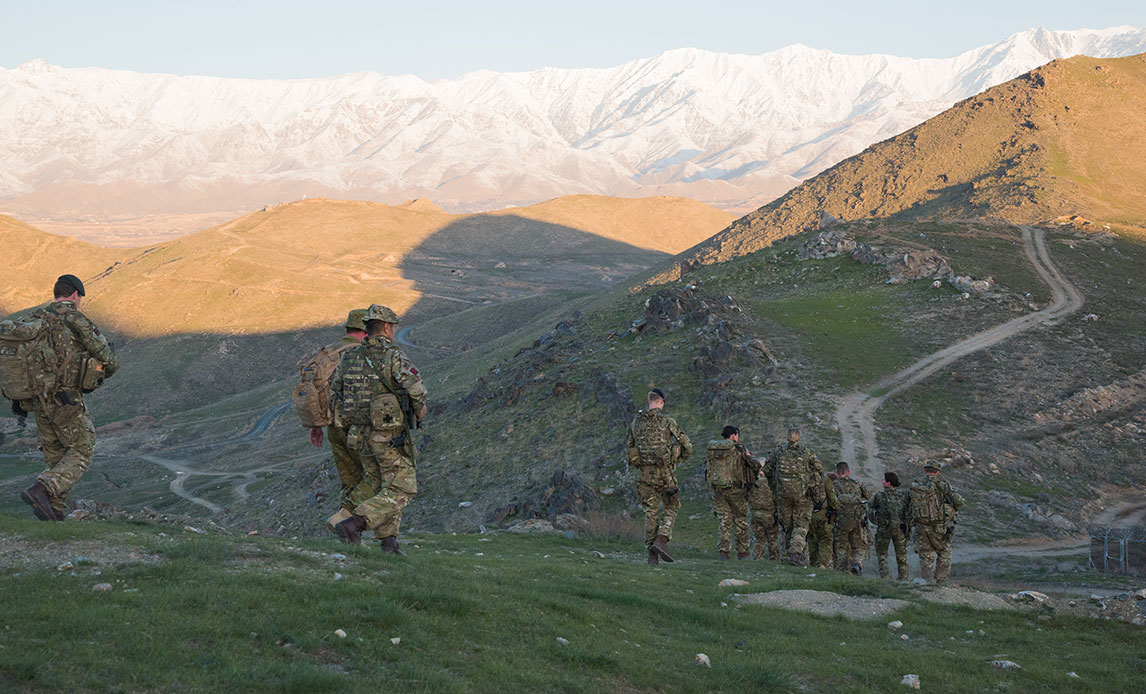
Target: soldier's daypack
[(885, 514), (311, 396), (720, 464), (652, 438), (851, 502), (30, 363), (926, 504), (791, 474)]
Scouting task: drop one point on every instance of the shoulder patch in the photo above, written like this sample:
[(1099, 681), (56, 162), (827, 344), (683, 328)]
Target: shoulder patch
[(414, 370)]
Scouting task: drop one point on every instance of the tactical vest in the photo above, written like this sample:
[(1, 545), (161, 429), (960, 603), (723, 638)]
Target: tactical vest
[(886, 509), (654, 443), (722, 465), (926, 502), (792, 476), (365, 401), (311, 396), (851, 501)]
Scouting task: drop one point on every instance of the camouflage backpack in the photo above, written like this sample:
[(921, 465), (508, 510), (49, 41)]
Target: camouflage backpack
[(311, 396), (720, 464), (652, 437), (792, 474), (851, 501), (926, 502), (886, 509), (33, 355)]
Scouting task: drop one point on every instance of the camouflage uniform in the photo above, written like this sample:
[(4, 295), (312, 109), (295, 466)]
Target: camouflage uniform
[(651, 449), (730, 492), (825, 507), (794, 496), (371, 418), (347, 461), (931, 507), (65, 430), (851, 534), (884, 511), (762, 504)]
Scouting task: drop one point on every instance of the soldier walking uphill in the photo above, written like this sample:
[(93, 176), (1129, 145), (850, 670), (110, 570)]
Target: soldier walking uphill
[(884, 511), (762, 505), (378, 396), (655, 446), (312, 403), (851, 523), (821, 529), (931, 508), (798, 478), (732, 472), (53, 389)]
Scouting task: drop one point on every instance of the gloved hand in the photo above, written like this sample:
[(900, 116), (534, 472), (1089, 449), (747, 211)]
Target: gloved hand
[(316, 437)]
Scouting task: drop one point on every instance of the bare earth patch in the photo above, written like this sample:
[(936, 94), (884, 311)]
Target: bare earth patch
[(18, 553), (969, 597), (824, 603)]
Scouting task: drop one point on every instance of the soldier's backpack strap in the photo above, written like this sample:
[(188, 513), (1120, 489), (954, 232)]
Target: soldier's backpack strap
[(406, 416)]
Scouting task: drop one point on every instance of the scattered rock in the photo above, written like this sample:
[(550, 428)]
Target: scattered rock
[(599, 555), (532, 525), (563, 642), (193, 529), (1005, 665), (702, 660), (337, 576), (340, 633), (919, 581), (102, 588), (824, 603), (910, 681), (731, 583), (396, 640), (1074, 675), (608, 491), (1090, 318), (1032, 597), (465, 504), (66, 566), (895, 625)]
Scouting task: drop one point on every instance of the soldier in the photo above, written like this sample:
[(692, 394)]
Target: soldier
[(851, 524), (762, 504), (884, 511), (931, 508), (821, 536), (64, 427), (797, 474), (378, 396), (347, 461), (731, 471), (655, 445)]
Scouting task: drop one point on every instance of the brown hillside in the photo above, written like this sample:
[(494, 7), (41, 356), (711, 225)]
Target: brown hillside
[(1067, 138), (34, 259), (302, 264)]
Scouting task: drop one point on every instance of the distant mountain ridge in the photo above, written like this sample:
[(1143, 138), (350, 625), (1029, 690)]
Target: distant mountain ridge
[(731, 130), (1064, 140)]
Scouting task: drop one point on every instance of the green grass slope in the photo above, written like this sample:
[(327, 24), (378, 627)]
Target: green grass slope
[(190, 612)]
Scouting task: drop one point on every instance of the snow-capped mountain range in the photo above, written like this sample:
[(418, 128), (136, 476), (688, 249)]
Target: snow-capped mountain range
[(733, 130)]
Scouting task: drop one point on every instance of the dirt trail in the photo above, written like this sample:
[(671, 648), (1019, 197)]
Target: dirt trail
[(856, 414)]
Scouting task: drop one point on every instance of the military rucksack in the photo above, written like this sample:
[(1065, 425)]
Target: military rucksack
[(926, 501), (791, 473), (311, 396), (851, 501), (720, 464), (886, 509), (31, 363), (651, 434)]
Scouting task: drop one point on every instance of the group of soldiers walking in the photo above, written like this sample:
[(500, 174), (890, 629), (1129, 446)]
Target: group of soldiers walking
[(823, 517), (368, 396)]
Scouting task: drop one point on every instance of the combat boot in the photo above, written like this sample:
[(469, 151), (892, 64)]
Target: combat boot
[(797, 560), (654, 558), (339, 516), (389, 545), (723, 555), (742, 555), (36, 496), (351, 529), (660, 546), (857, 569)]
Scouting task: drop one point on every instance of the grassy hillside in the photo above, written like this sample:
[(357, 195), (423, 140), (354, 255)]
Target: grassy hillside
[(1065, 139), (202, 612)]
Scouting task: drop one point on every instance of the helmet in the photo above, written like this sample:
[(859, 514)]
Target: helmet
[(354, 319), (380, 312)]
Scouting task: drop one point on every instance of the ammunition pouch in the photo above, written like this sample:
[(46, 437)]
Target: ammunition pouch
[(92, 375), (386, 415), (354, 437)]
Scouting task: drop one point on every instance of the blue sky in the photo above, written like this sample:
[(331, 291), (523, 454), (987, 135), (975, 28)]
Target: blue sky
[(288, 38)]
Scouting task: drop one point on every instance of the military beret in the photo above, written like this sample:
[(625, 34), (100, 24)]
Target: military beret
[(74, 282)]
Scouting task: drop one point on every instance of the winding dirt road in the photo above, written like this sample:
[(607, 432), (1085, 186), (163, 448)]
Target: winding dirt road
[(856, 414)]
